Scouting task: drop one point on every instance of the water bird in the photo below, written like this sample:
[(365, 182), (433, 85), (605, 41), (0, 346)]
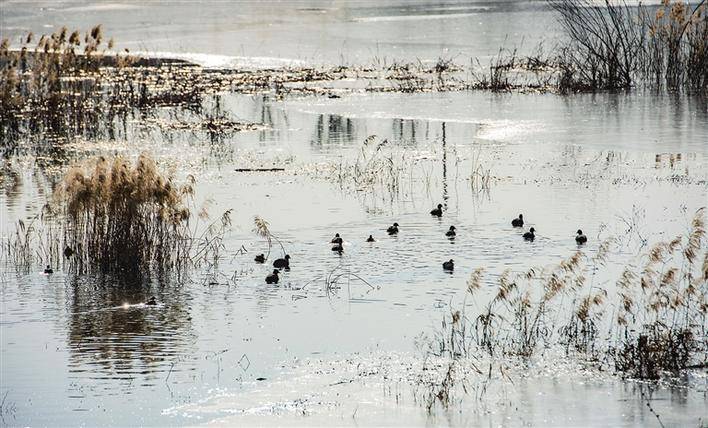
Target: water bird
[(393, 230), (370, 239), (338, 248), (151, 301), (282, 263), (273, 277), (518, 222), (336, 239), (580, 239), (529, 236), (260, 258), (449, 265), (48, 270), (437, 211), (451, 232), (68, 252)]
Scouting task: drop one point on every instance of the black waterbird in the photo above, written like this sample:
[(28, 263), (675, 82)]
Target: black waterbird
[(518, 222), (580, 239), (282, 263), (273, 277)]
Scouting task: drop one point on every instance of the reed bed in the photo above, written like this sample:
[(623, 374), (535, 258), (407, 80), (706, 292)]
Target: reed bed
[(121, 217), (71, 85), (651, 324), (615, 45), (114, 217)]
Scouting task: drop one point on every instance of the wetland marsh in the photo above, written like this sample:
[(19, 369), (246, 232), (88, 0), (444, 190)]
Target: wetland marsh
[(321, 119)]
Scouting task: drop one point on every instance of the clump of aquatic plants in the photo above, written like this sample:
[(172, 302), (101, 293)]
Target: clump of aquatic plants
[(617, 45), (43, 79), (120, 218), (72, 85), (509, 70), (652, 322), (377, 169), (661, 322)]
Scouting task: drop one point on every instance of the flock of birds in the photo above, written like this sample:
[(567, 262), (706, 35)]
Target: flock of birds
[(337, 241), (449, 265)]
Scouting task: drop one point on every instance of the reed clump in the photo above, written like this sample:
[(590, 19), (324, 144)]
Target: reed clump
[(377, 169), (44, 84), (615, 45), (661, 322), (117, 217), (120, 217), (35, 76), (652, 322)]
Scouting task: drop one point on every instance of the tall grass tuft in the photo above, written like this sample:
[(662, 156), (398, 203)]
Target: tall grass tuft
[(661, 323), (123, 218), (616, 45), (652, 321)]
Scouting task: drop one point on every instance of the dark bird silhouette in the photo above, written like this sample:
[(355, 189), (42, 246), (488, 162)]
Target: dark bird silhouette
[(393, 230), (336, 239), (273, 277), (580, 239), (260, 258), (48, 269), (282, 263), (451, 232), (449, 265), (151, 301), (370, 239), (518, 222), (437, 212), (68, 252), (530, 236), (338, 248)]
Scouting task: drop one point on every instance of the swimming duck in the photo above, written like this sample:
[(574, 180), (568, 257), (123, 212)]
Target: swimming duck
[(449, 265), (338, 248), (518, 222), (68, 252), (580, 239), (437, 211), (370, 239), (451, 232), (336, 239), (529, 236), (393, 230), (48, 269), (260, 258), (151, 301), (282, 263), (273, 277)]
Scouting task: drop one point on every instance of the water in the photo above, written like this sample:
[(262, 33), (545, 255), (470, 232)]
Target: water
[(310, 31), (88, 351)]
